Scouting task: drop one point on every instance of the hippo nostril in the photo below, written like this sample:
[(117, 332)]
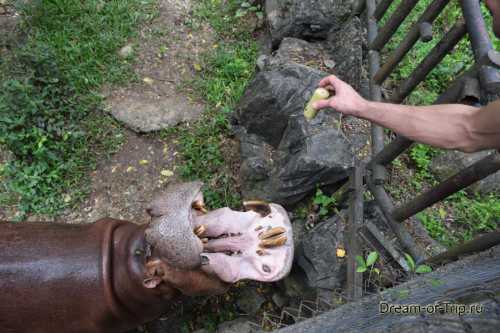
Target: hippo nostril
[(266, 269), (205, 260)]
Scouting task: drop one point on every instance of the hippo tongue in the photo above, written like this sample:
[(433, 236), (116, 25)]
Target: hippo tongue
[(256, 246)]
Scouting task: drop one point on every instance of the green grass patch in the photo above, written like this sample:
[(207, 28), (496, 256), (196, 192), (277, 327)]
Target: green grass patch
[(49, 103), (467, 216), (226, 70), (460, 216), (454, 63)]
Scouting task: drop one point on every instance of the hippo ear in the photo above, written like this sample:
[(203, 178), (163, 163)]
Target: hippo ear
[(155, 270), (151, 283)]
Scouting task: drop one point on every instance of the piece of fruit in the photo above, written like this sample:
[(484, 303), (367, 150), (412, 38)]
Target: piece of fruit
[(319, 94)]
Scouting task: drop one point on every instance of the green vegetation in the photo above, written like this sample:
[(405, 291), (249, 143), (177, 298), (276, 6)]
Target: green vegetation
[(206, 147), (363, 264), (420, 269), (455, 62), (325, 203), (51, 116), (465, 215)]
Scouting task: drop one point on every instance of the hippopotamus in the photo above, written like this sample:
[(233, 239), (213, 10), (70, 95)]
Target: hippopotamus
[(113, 275)]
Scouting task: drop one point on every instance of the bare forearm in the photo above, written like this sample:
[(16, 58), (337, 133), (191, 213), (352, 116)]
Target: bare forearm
[(446, 126)]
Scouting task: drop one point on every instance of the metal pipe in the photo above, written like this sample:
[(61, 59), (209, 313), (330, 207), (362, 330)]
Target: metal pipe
[(477, 171), (386, 205), (411, 38), (481, 43), (354, 279), (377, 132), (392, 24), (434, 57), (381, 9), (477, 244)]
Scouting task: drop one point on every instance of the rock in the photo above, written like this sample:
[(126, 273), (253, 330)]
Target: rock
[(450, 162), (239, 325), (126, 51), (279, 299), (307, 19), (284, 157), (346, 49), (316, 255), (250, 301), (295, 284), (145, 114)]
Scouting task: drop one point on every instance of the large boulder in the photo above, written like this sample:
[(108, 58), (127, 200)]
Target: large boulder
[(450, 162), (307, 19), (317, 255), (284, 157)]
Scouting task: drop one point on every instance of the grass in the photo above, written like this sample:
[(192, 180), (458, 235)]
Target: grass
[(51, 110), (454, 63), (206, 146), (463, 215)]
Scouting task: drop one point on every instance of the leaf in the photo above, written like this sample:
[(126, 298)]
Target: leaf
[(421, 269), (197, 67), (376, 270), (410, 262), (148, 80), (260, 15), (240, 13), (245, 4), (372, 257), (361, 269), (360, 261)]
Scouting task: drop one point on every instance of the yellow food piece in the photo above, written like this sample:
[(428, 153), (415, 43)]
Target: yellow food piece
[(319, 94)]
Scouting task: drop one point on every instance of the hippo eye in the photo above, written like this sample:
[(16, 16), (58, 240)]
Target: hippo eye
[(266, 269)]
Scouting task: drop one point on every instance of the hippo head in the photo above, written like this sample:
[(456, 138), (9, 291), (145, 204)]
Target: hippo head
[(256, 244)]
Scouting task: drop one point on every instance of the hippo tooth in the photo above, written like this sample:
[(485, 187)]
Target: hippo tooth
[(271, 233), (199, 230), (200, 206), (273, 242), (258, 206)]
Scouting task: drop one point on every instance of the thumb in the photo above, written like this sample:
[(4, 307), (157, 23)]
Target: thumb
[(322, 104)]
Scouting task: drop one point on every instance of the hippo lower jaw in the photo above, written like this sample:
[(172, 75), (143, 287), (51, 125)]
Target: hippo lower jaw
[(246, 245), (256, 244)]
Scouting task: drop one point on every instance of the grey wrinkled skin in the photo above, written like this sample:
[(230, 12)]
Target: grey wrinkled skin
[(170, 232)]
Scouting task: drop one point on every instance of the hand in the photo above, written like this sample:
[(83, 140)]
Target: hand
[(345, 98)]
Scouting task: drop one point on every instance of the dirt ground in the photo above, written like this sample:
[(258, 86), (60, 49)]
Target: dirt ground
[(166, 53)]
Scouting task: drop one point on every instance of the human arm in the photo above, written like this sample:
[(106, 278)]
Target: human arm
[(449, 126)]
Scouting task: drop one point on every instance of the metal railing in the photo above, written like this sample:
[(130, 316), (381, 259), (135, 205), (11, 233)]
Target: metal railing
[(483, 76)]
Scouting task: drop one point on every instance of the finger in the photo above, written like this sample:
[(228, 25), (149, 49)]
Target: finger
[(321, 104), (329, 80), (329, 88)]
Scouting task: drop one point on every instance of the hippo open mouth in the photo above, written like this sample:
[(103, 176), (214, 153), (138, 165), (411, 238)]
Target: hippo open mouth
[(256, 244)]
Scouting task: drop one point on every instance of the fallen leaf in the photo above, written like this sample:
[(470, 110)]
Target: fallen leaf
[(148, 80), (143, 162), (166, 173), (197, 67), (130, 169), (340, 252)]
